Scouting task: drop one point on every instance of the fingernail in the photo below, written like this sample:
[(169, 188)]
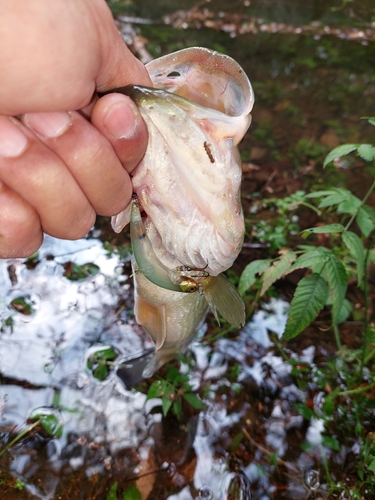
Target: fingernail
[(12, 140), (51, 124), (121, 118)]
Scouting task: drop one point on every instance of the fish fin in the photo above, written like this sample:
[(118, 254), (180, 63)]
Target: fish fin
[(119, 221), (152, 366), (144, 255), (146, 313), (163, 330), (223, 297)]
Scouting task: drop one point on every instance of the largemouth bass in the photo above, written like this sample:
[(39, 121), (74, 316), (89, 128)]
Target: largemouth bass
[(188, 186)]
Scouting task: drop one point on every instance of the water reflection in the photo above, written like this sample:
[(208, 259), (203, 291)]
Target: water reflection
[(44, 364)]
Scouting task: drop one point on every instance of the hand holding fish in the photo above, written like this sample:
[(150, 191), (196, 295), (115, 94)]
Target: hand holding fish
[(188, 186), (57, 170)]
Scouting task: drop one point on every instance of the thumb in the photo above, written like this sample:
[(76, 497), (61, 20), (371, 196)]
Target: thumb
[(118, 66)]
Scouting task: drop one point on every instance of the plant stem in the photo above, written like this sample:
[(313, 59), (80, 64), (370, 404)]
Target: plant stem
[(325, 464), (337, 336), (356, 391), (20, 436), (366, 293), (360, 206)]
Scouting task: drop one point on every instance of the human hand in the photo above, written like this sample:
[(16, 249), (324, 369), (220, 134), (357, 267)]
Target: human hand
[(57, 170)]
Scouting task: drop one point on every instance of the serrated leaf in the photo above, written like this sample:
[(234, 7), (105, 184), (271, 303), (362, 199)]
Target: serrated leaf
[(366, 151), (318, 194), (356, 248), (365, 220), (317, 255), (339, 151), (194, 400), (338, 283), (333, 199), (248, 276), (132, 493), (345, 311), (277, 270), (327, 228), (309, 298)]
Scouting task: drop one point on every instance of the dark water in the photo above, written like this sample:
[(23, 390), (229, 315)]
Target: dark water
[(311, 90)]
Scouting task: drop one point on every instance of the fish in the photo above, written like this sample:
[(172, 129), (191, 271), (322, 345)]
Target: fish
[(187, 187)]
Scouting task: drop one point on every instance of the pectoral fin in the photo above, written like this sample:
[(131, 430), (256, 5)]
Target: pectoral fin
[(223, 297), (147, 262)]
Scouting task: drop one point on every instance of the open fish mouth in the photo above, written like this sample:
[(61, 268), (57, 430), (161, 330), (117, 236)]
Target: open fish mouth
[(188, 185)]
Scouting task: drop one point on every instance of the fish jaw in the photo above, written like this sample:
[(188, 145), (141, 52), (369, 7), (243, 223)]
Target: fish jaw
[(171, 318), (199, 222), (206, 77)]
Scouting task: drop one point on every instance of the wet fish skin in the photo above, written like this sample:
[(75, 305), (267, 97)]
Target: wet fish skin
[(172, 304), (192, 154), (188, 184)]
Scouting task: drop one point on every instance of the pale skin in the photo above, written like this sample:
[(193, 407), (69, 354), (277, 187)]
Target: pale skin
[(64, 155)]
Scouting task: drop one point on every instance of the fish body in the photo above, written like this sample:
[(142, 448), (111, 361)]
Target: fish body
[(188, 186)]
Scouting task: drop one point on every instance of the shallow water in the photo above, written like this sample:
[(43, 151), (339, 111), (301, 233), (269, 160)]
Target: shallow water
[(312, 86), (108, 429)]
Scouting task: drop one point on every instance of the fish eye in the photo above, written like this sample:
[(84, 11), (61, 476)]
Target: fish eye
[(188, 285), (173, 74)]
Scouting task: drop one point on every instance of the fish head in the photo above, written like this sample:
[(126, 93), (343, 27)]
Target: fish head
[(188, 183), (206, 77)]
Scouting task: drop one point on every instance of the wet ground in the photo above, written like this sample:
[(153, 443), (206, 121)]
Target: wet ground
[(80, 431)]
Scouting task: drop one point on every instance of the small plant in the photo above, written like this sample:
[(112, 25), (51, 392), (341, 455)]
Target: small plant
[(75, 272), (100, 361), (172, 390), (44, 420), (329, 267), (337, 253)]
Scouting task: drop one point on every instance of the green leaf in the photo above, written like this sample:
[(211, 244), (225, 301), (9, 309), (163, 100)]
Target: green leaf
[(342, 150), (365, 220), (194, 400), (166, 403), (329, 405), (338, 282), (309, 298), (346, 201), (50, 420), (277, 270), (335, 198), (177, 408), (331, 443), (312, 257), (132, 493), (52, 425), (248, 276), (159, 389), (349, 206), (345, 311), (112, 493), (355, 247), (304, 410), (371, 121), (328, 228), (371, 467), (367, 152), (319, 194)]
